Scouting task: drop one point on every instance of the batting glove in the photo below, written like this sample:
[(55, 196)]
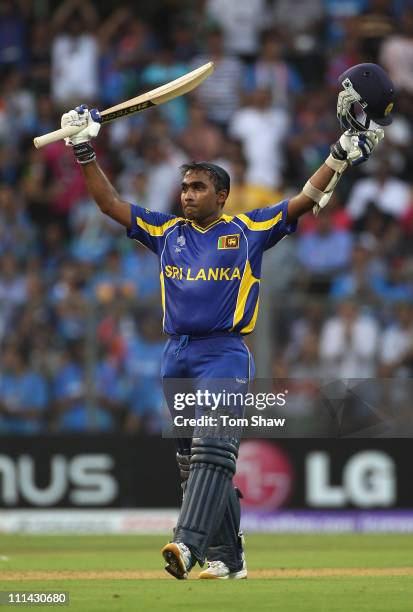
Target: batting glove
[(356, 148), (345, 101), (80, 142)]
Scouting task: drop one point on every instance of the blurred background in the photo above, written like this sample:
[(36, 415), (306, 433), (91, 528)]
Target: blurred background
[(80, 319)]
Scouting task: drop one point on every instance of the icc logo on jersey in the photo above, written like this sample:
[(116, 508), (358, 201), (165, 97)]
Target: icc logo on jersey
[(180, 241)]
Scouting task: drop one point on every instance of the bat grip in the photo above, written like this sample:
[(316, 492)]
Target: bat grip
[(69, 130)]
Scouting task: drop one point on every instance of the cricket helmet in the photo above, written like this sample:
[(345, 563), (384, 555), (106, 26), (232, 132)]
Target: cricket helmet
[(368, 95)]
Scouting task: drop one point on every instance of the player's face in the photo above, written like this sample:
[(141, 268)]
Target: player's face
[(200, 202)]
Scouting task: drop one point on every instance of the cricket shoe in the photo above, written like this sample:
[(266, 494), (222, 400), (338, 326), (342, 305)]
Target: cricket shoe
[(179, 558), (218, 570)]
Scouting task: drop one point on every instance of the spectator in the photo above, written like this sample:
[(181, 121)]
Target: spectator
[(397, 285), (93, 235), (397, 54), (34, 316), (162, 69), (184, 39), (306, 324), (163, 178), (65, 184), (325, 251), (303, 375), (143, 358), (245, 196), (40, 59), (219, 94), (272, 71), (111, 283), (375, 25), (241, 22), (127, 45), (348, 344), (20, 106), (16, 232), (345, 55), (262, 130), (365, 276), (339, 14), (396, 346), (313, 127), (301, 31), (141, 268), (68, 300), (13, 288), (200, 139), (390, 194), (13, 36), (74, 408), (303, 20), (111, 391), (23, 394), (74, 49)]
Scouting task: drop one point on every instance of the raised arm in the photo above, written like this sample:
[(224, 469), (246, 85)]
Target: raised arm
[(66, 10), (97, 183), (105, 195), (352, 149), (366, 98)]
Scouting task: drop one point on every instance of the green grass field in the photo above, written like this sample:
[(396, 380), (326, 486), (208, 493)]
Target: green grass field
[(335, 573)]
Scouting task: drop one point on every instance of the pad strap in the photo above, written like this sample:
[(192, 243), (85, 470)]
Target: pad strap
[(183, 464)]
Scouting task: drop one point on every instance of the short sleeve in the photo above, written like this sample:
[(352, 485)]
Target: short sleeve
[(150, 227), (269, 223)]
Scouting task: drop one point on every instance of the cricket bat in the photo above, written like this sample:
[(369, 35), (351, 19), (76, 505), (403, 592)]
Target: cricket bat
[(161, 94)]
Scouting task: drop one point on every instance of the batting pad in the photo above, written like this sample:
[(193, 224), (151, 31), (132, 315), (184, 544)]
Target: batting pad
[(225, 542), (209, 486)]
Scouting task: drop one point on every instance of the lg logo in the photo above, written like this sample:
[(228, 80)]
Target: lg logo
[(83, 478), (368, 480), (264, 475)]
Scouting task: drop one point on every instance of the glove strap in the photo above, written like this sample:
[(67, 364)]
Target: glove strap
[(338, 165), (84, 153)]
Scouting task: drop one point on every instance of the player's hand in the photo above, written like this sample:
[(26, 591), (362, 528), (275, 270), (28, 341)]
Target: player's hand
[(82, 116), (356, 148)]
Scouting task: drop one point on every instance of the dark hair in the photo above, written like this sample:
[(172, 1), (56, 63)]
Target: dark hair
[(218, 175)]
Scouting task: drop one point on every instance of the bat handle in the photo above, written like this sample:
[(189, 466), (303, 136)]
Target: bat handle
[(69, 130)]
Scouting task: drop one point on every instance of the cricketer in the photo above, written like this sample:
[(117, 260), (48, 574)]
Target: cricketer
[(210, 269)]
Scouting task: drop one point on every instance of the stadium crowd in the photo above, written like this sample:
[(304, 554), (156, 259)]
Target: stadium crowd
[(80, 331)]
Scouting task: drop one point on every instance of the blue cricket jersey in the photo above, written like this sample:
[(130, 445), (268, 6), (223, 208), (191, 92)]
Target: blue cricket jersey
[(210, 276)]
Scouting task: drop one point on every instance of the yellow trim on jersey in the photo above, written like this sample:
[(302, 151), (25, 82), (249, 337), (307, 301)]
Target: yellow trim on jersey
[(260, 226), (161, 278), (156, 230), (226, 218), (246, 284), (250, 326)]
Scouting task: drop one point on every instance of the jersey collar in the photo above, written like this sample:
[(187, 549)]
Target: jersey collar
[(198, 228)]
